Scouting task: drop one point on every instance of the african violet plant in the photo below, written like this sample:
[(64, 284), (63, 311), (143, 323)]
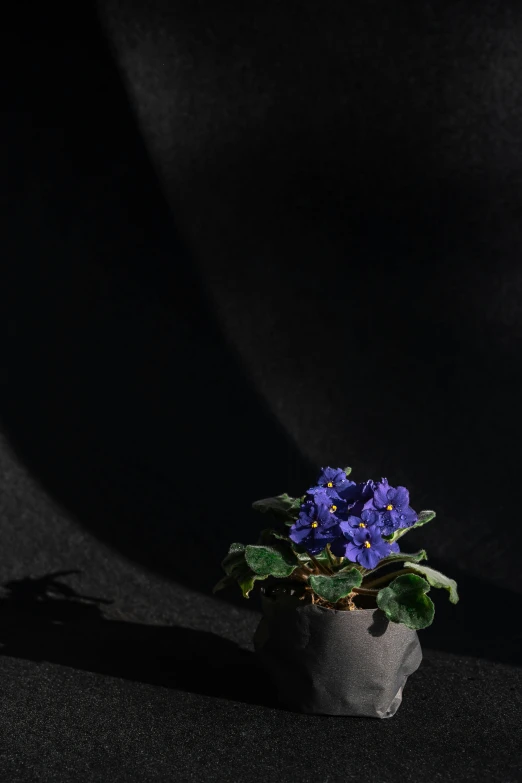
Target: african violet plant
[(333, 540)]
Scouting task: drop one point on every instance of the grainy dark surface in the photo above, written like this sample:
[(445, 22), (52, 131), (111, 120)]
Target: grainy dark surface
[(115, 674)]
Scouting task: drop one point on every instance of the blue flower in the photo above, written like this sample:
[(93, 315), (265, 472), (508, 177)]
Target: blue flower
[(358, 496), (368, 518), (331, 481), (316, 527), (336, 506), (364, 545), (317, 495), (393, 506)]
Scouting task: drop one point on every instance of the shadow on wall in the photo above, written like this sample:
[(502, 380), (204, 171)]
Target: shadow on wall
[(119, 391), (144, 427)]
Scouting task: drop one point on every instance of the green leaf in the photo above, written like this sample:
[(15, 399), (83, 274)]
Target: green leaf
[(345, 568), (271, 561), (423, 518), (244, 577), (235, 557), (347, 471), (322, 557), (436, 579), (246, 581), (237, 571), (414, 557), (301, 553), (333, 588), (283, 543), (268, 535), (283, 506), (405, 601), (400, 556), (226, 581)]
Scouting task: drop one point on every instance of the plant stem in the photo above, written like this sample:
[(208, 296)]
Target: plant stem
[(385, 578), (382, 564), (364, 591), (318, 565), (330, 558), (301, 574)]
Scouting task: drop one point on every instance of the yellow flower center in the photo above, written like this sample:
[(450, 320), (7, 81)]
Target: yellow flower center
[(315, 524), (367, 544), (329, 484), (389, 507), (332, 509), (361, 524)]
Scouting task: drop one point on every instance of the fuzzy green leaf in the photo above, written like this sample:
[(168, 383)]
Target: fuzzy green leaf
[(271, 561), (234, 558), (333, 588), (395, 557), (405, 601), (414, 557), (423, 518), (436, 579), (345, 568), (347, 471), (283, 507), (301, 553), (283, 542), (237, 571), (244, 577), (268, 535), (226, 581), (246, 580), (322, 557)]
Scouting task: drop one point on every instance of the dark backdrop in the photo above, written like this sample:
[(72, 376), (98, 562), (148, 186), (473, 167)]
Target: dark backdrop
[(242, 241)]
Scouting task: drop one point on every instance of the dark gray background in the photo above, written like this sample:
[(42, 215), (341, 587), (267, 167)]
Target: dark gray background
[(240, 242), (337, 280)]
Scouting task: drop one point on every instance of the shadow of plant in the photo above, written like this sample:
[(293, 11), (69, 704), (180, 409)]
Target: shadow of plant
[(46, 620)]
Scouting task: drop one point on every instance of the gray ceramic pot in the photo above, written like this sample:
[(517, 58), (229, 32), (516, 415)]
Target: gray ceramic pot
[(332, 662)]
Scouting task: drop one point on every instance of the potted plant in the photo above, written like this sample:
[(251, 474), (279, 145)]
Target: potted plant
[(341, 603)]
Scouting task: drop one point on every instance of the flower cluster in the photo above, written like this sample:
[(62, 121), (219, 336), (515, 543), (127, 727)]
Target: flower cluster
[(352, 518), (328, 543)]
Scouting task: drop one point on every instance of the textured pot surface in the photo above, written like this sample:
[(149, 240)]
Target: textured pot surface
[(333, 662)]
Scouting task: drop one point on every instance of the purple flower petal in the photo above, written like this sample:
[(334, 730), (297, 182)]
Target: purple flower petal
[(337, 507), (359, 535), (339, 547), (408, 517), (371, 516), (352, 551), (318, 490), (380, 496), (401, 498), (346, 527), (368, 557), (314, 547), (298, 534), (390, 522), (350, 491), (353, 521), (382, 549)]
